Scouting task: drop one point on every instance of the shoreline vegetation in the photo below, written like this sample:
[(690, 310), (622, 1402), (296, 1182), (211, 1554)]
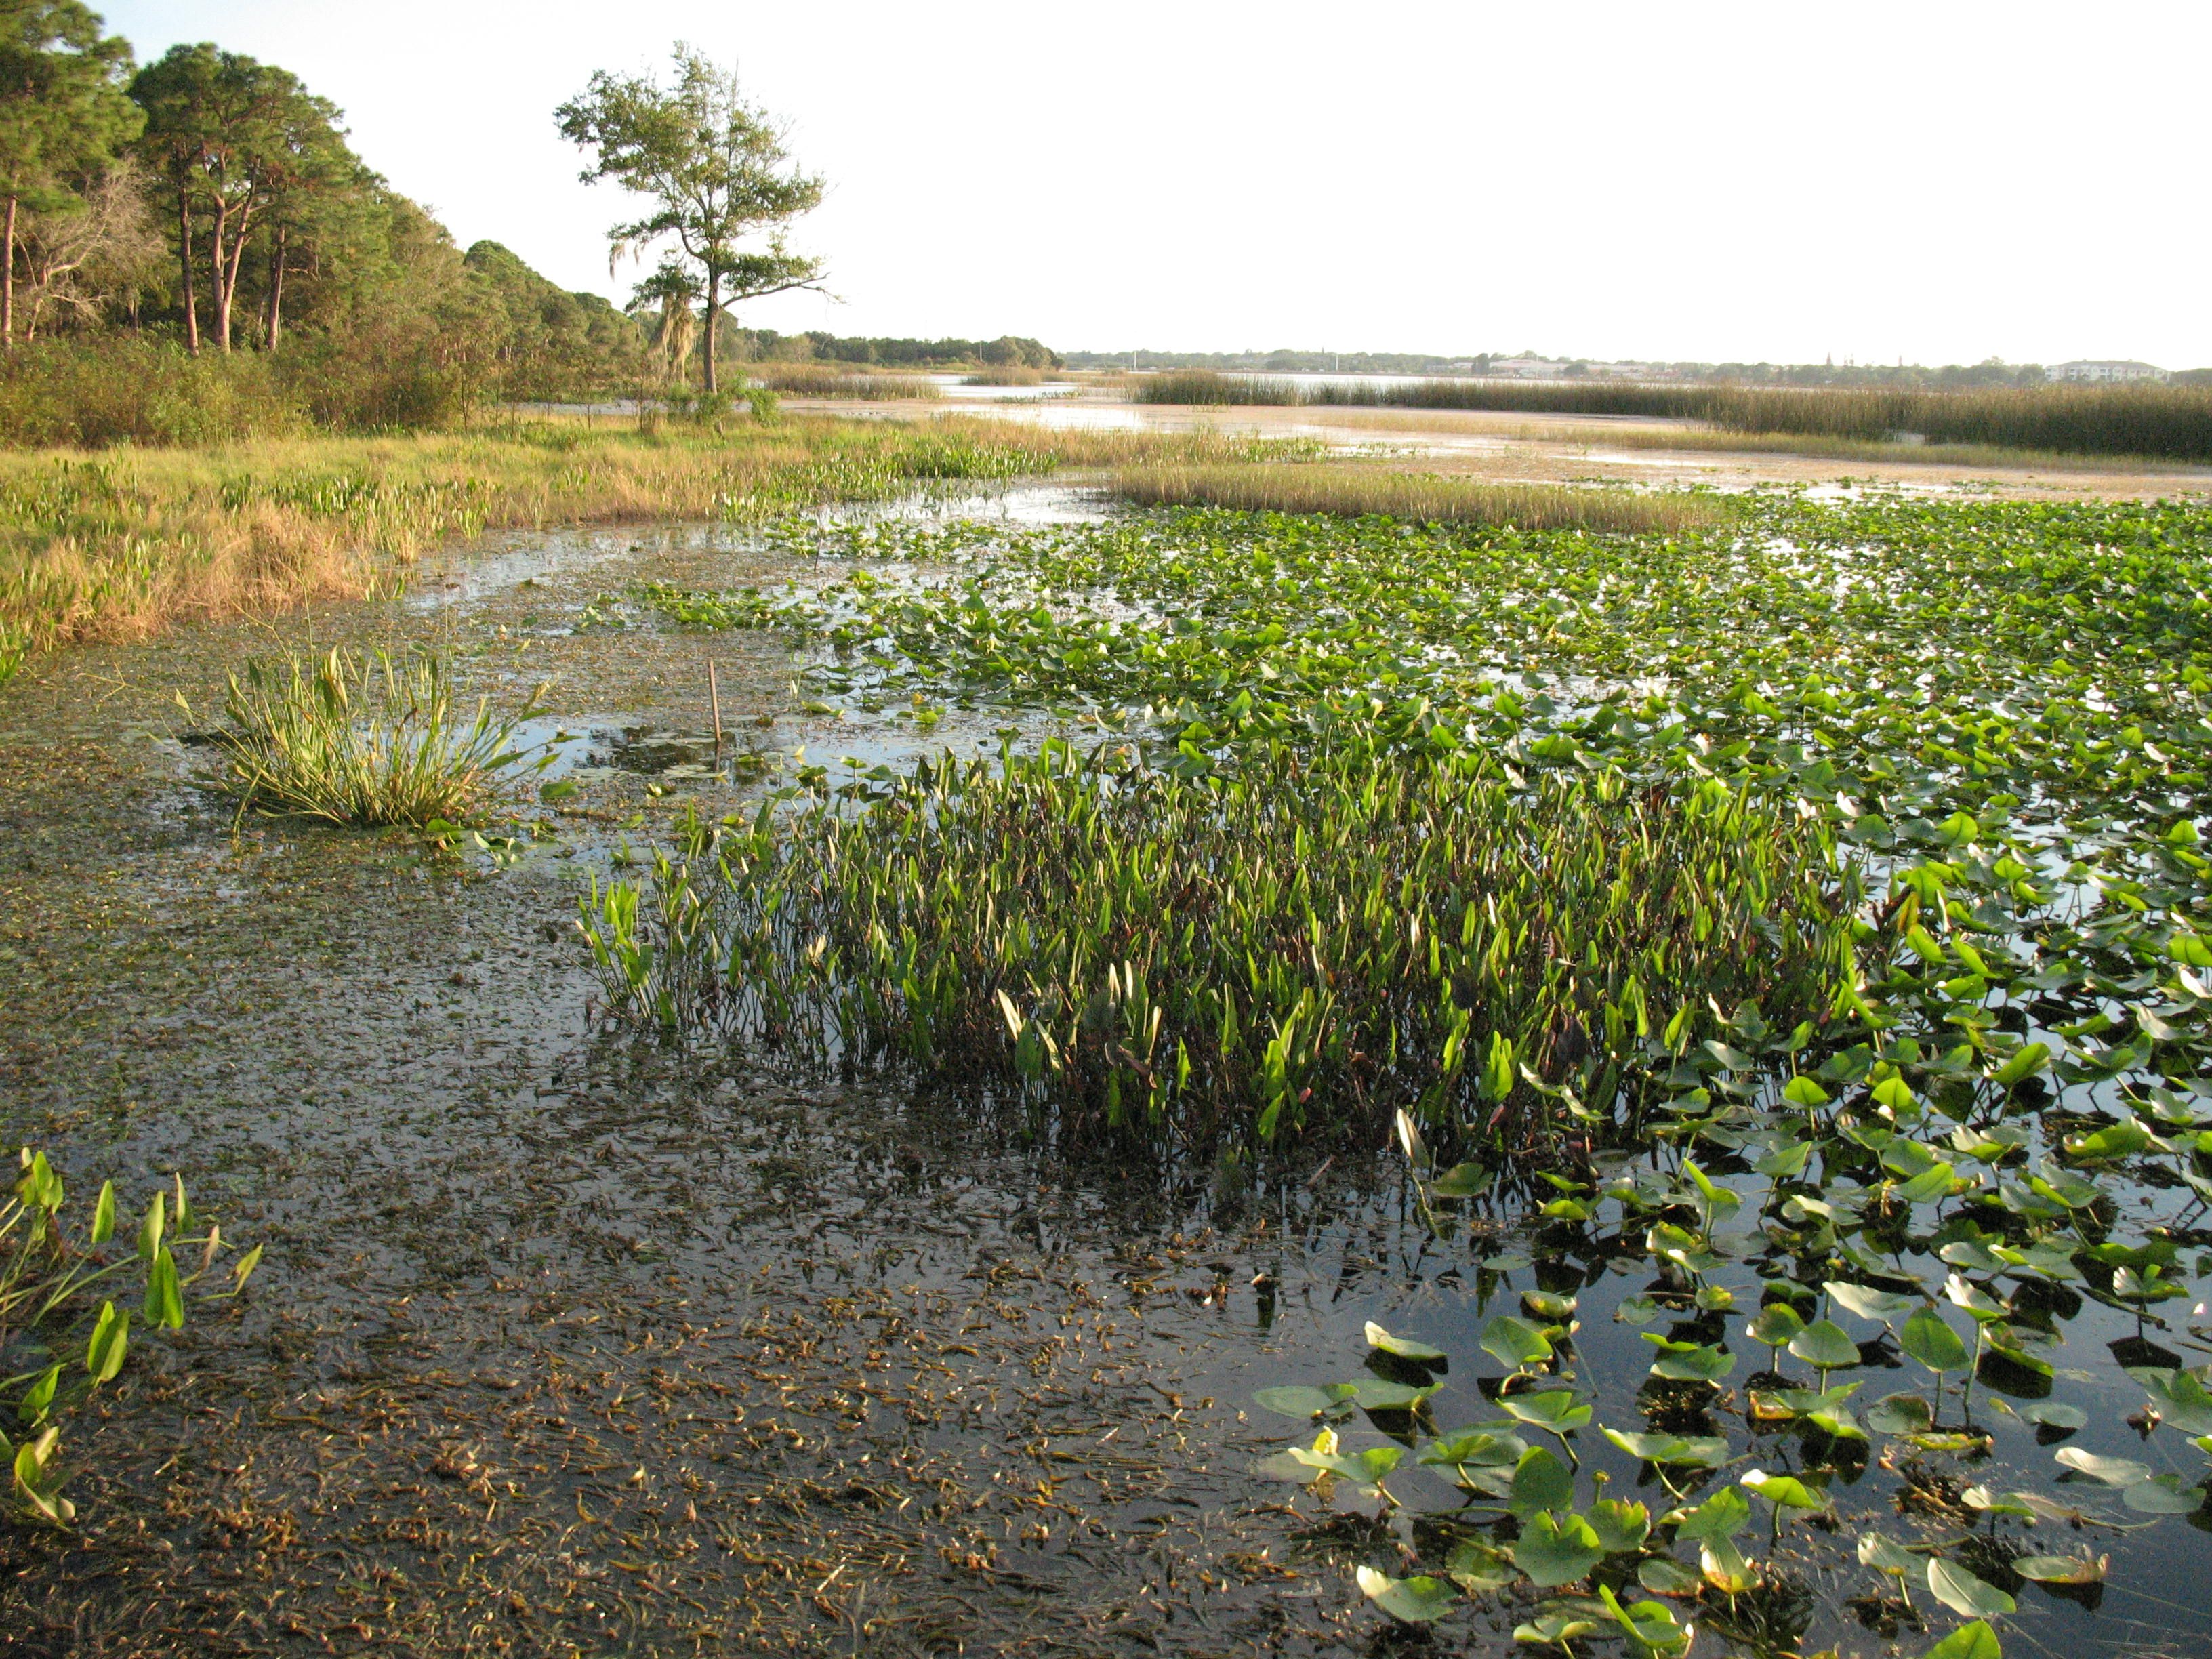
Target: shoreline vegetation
[(123, 543), (1356, 491), (2155, 422)]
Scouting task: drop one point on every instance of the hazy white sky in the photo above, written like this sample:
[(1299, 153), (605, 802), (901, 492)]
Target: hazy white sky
[(1943, 181)]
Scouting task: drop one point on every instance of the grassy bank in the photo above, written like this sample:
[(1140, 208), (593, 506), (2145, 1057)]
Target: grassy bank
[(1356, 491), (829, 380), (120, 542), (2156, 421)]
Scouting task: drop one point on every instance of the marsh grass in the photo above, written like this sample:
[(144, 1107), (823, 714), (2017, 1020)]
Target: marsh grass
[(2153, 420), (121, 544), (1324, 933), (1006, 375), (356, 741), (1706, 439), (1349, 491), (824, 380)]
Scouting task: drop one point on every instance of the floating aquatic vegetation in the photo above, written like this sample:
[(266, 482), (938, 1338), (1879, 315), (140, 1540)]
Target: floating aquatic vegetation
[(358, 741)]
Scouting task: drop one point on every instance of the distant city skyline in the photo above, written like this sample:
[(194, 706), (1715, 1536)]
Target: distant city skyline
[(1709, 183)]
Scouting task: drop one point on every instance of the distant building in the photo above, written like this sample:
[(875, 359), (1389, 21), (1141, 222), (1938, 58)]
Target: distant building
[(1526, 368), (2103, 370)]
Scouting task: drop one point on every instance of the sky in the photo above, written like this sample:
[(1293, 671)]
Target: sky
[(1942, 181)]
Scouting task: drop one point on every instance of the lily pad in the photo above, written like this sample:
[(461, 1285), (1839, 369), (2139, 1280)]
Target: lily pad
[(1515, 1342), (1477, 1568), (2109, 1471), (1826, 1346), (1621, 1527), (1974, 1641), (1869, 1303), (1557, 1549), (2062, 1569), (1417, 1601), (1928, 1339), (1554, 1410), (1404, 1346), (2163, 1494), (1693, 1451)]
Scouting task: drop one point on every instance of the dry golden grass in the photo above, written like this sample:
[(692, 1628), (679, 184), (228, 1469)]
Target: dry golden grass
[(122, 543), (837, 381), (1356, 491)]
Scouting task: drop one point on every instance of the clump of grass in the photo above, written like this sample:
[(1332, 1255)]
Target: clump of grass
[(1204, 385), (1328, 933), (365, 742), (1006, 375), (1358, 491), (824, 380)]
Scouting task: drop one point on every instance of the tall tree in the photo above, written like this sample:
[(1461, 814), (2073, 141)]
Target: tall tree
[(231, 138), (63, 114), (713, 166)]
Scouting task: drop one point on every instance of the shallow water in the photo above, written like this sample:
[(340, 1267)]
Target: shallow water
[(572, 1341)]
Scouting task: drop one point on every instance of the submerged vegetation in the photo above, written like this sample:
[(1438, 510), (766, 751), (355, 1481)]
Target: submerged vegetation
[(358, 742), (2152, 421), (1383, 821), (1354, 490)]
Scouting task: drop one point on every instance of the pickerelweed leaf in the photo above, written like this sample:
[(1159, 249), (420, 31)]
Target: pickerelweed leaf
[(1963, 1593), (1411, 1600), (1556, 1549)]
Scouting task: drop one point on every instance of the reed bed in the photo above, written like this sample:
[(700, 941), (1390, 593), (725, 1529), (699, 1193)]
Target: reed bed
[(121, 544), (1356, 492), (2154, 421), (1008, 374), (358, 741), (824, 380), (1331, 932)]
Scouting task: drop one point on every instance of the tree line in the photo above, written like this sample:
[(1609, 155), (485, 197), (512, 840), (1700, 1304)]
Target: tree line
[(210, 204)]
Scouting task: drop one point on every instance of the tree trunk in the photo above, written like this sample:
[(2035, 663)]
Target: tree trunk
[(185, 250), (7, 283), (222, 296), (714, 315), (276, 287)]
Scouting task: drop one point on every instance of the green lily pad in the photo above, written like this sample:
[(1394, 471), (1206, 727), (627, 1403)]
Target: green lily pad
[(1724, 1566), (1869, 1304), (1405, 1347), (1720, 1515), (1416, 1601), (1776, 1324), (2163, 1494), (1784, 1492), (1638, 1310), (1692, 1451), (2109, 1471), (2061, 1569), (1484, 1447), (1621, 1527), (1301, 1402), (1477, 1568), (1886, 1555), (1974, 1641), (1663, 1576), (1540, 1482), (2054, 1414), (1826, 1346), (1554, 1410), (1515, 1342), (1928, 1339), (1557, 1549), (1691, 1362), (1461, 1181)]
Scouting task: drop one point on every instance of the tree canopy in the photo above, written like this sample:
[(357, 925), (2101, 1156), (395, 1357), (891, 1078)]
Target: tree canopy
[(715, 173)]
